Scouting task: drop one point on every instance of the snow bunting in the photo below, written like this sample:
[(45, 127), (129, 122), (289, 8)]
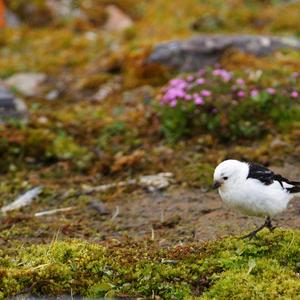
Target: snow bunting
[(254, 190)]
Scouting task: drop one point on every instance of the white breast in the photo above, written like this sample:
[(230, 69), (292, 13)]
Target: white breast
[(251, 197)]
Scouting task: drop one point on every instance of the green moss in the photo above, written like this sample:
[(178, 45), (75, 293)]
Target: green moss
[(196, 172), (65, 148), (231, 268)]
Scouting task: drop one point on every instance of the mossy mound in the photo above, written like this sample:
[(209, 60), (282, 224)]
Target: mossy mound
[(265, 268)]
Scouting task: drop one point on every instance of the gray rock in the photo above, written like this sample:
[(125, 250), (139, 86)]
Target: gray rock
[(99, 206), (12, 20), (11, 107), (206, 50)]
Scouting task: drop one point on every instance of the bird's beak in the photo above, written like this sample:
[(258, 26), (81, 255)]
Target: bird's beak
[(216, 185)]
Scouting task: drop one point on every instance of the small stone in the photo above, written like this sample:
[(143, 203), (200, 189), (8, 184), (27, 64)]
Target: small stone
[(277, 144), (52, 95), (91, 36), (11, 107), (63, 9), (43, 120), (156, 182), (29, 84), (117, 20), (12, 20), (106, 90), (99, 206)]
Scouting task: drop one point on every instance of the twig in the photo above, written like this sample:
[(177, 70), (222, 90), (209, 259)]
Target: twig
[(152, 234), (53, 211), (107, 187), (116, 213)]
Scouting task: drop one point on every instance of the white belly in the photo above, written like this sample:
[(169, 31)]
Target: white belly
[(256, 199)]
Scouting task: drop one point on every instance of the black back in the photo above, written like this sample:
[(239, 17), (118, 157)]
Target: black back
[(267, 177)]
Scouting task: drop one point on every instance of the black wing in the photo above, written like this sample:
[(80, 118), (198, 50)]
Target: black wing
[(267, 177)]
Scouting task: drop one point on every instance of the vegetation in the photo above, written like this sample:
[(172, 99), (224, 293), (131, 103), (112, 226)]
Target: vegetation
[(266, 268), (227, 105), (113, 118)]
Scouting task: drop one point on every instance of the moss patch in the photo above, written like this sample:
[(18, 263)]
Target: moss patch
[(231, 268)]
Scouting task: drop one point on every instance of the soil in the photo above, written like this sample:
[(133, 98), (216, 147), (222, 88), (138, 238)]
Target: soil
[(177, 215), (182, 215)]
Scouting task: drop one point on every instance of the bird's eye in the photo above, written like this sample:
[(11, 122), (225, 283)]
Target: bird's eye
[(225, 177)]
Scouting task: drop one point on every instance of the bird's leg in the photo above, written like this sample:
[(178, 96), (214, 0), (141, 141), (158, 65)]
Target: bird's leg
[(267, 224)]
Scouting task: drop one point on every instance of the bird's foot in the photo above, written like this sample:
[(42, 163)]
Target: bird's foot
[(250, 235), (272, 228), (268, 224)]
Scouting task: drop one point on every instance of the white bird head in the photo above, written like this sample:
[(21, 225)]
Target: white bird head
[(229, 172)]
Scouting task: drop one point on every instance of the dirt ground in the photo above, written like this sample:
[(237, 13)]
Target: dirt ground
[(180, 215), (177, 215)]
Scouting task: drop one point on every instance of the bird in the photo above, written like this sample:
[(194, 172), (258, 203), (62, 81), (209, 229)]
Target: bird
[(254, 190)]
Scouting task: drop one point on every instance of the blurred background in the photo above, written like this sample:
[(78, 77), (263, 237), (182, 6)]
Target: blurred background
[(96, 95)]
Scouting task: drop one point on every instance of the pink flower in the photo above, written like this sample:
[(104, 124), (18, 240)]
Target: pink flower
[(190, 78), (241, 94), (200, 81), (271, 91), (180, 94), (201, 72), (217, 72), (254, 93), (294, 94), (226, 76), (176, 81), (173, 103), (295, 74), (205, 93), (188, 97), (199, 100), (240, 81)]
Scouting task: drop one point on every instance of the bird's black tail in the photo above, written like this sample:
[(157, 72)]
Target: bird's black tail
[(295, 184), (295, 189)]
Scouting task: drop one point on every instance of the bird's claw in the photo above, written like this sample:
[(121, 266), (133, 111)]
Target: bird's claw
[(272, 228), (268, 224), (250, 235)]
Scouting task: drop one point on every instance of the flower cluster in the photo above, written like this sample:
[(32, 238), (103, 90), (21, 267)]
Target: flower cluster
[(228, 104), (202, 87)]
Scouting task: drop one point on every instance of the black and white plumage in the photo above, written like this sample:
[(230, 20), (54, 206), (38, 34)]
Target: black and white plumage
[(266, 176), (254, 190)]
